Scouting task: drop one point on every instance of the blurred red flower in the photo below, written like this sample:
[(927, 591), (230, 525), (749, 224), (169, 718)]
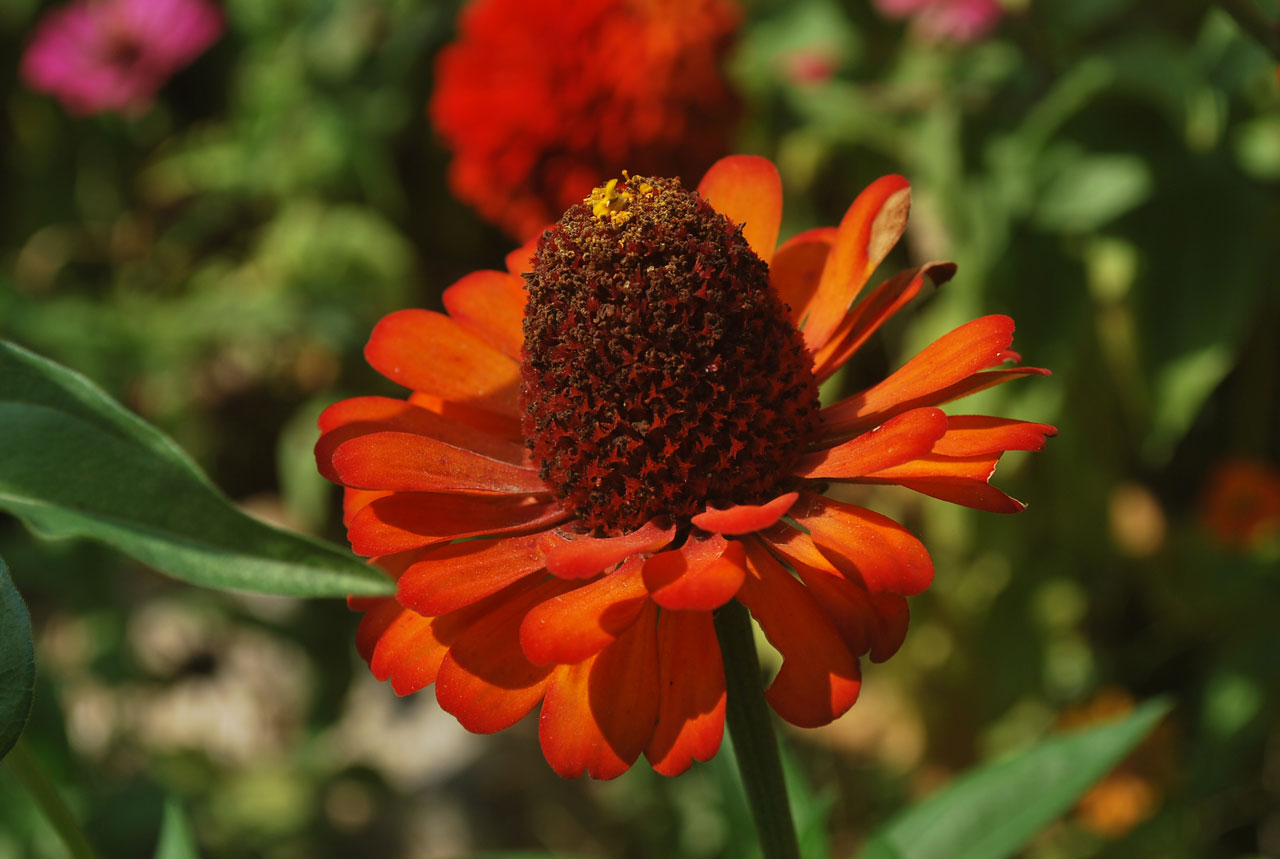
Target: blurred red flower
[(541, 100), (636, 439), (113, 55), (1240, 505)]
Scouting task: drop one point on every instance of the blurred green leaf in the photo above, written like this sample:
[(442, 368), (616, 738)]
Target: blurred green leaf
[(1084, 192), (78, 464), (995, 810), (17, 663), (176, 840)]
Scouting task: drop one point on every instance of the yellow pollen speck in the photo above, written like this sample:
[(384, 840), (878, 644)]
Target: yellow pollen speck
[(608, 201)]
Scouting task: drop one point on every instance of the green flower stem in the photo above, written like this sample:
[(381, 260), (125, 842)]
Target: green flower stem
[(27, 768), (751, 728), (1251, 20)]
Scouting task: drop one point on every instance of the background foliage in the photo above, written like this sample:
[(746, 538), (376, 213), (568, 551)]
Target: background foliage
[(1105, 171)]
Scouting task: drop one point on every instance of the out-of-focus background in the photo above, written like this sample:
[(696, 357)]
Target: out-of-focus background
[(212, 240)]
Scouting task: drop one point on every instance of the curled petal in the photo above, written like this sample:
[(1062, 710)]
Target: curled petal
[(582, 621), (447, 578), (490, 304), (819, 679), (901, 439), (747, 190), (745, 518), (429, 352), (701, 575), (959, 479), (485, 681), (691, 692), (977, 435), (407, 462), (599, 714), (869, 548), (870, 228), (414, 520), (582, 558)]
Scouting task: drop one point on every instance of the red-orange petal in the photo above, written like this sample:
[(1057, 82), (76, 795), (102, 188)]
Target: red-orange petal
[(582, 558), (900, 439), (745, 518), (976, 435), (407, 462), (520, 260), (866, 546), (959, 479), (869, 230), (413, 520), (429, 352), (599, 714), (490, 304), (485, 681), (796, 270), (582, 621), (450, 577), (819, 679), (868, 315), (747, 190), (924, 379), (692, 693), (701, 575)]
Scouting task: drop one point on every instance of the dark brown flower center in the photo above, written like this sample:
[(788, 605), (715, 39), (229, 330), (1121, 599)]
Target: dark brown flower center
[(660, 370)]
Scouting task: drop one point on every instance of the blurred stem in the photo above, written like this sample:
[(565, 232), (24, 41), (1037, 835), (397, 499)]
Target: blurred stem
[(751, 728), (1249, 17), (26, 766)]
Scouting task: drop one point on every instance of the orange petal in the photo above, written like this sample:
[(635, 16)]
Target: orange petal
[(874, 624), (506, 426), (745, 518), (958, 479), (490, 304), (355, 500), (520, 260), (868, 315), (701, 575), (584, 557), (582, 621), (819, 679), (347, 419), (413, 520), (692, 697), (796, 270), (407, 462), (908, 436), (975, 435), (867, 547), (429, 352), (747, 190), (925, 378), (870, 228), (447, 578), (599, 714), (485, 681)]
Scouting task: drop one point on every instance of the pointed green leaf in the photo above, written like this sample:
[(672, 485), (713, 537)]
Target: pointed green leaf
[(993, 811), (78, 464), (17, 663), (176, 840)]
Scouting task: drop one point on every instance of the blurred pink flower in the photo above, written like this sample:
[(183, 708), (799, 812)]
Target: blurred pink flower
[(946, 20), (112, 55)]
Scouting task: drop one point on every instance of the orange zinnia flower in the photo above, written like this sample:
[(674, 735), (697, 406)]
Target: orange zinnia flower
[(597, 457), (540, 100)]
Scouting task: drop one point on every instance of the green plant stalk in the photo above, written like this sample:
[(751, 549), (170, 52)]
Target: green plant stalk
[(751, 728), (37, 783), (1251, 20)]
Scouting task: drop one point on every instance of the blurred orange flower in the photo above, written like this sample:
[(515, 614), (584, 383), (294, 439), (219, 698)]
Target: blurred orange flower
[(628, 417), (541, 100), (1240, 504)]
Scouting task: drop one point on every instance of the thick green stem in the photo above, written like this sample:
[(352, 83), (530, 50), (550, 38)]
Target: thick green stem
[(27, 768), (751, 728), (1250, 18)]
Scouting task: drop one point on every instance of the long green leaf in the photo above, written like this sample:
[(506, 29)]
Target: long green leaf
[(17, 663), (76, 463), (996, 809), (176, 840)]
